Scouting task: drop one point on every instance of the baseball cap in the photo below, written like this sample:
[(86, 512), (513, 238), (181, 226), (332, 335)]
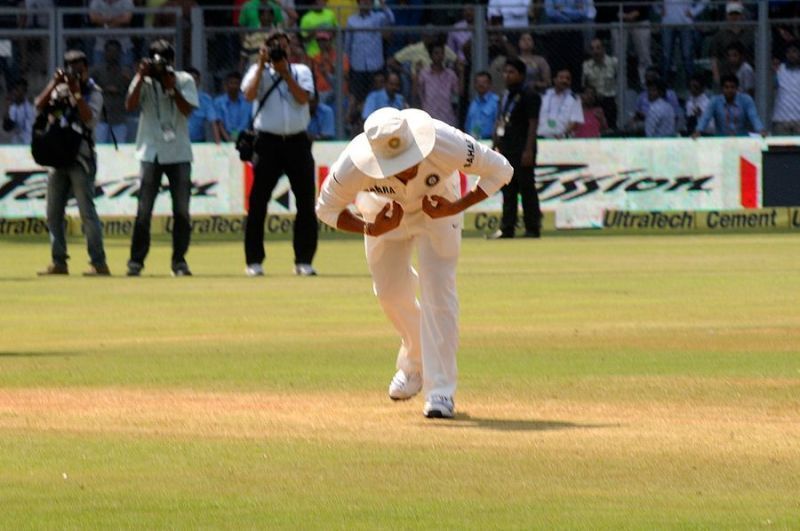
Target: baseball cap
[(734, 7), (393, 141)]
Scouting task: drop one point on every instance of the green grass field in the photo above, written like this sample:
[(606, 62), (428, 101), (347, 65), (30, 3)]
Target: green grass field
[(605, 383)]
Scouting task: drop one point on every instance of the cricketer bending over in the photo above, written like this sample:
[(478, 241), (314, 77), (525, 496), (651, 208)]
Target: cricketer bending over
[(402, 173)]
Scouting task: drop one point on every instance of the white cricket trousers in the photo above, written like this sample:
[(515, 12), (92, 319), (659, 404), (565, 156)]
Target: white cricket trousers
[(428, 327)]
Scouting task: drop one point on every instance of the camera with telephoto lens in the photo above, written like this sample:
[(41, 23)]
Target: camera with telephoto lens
[(158, 65), (276, 51)]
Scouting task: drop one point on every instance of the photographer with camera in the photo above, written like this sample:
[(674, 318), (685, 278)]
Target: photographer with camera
[(167, 97), (69, 107), (280, 92)]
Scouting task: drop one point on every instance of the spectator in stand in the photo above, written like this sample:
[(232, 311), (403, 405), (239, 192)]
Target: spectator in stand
[(389, 96), (683, 12), (321, 126), (184, 23), (407, 13), (638, 15), (150, 18), (734, 112), (538, 75), (20, 114), (437, 87), (112, 14), (636, 126), (318, 17), (500, 50), (250, 15), (343, 10), (786, 115), (600, 72), (739, 67), (419, 52), (561, 111), (252, 42), (731, 33), (204, 114), (509, 13), (460, 35), (660, 120), (114, 80), (232, 109), (696, 103), (365, 48), (569, 46), (32, 53), (482, 112), (594, 119), (324, 67)]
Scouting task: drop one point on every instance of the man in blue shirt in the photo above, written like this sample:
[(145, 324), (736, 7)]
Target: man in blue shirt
[(482, 112), (202, 114), (660, 118), (321, 126), (734, 112), (389, 96), (365, 48), (232, 110)]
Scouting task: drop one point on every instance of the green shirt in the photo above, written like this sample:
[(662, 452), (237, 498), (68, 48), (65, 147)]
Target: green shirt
[(316, 20), (248, 18)]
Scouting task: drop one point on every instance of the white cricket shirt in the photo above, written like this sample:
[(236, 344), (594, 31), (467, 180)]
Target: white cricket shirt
[(453, 151)]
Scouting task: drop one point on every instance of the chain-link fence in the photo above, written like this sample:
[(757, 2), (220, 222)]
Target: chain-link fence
[(436, 57)]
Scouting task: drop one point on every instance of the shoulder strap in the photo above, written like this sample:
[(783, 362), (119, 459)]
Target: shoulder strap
[(262, 101), (110, 129)]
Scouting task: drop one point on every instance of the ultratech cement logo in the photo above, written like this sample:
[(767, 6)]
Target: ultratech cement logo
[(568, 182), (648, 220), (22, 227), (32, 184)]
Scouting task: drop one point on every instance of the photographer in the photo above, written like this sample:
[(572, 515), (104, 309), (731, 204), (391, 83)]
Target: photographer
[(74, 101), (167, 98), (282, 146)]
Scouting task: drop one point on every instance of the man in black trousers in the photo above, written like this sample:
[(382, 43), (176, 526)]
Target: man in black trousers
[(282, 146), (515, 138)]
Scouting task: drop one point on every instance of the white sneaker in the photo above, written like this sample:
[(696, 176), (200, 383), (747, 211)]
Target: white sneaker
[(439, 407), (404, 386), (304, 270), (254, 270)]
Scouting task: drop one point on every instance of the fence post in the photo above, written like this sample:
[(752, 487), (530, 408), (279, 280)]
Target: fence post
[(53, 25), (480, 41), (198, 30), (763, 66), (338, 81), (622, 68)]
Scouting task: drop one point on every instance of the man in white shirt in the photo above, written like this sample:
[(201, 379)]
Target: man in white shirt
[(786, 116), (561, 110), (282, 147), (402, 173), (509, 13)]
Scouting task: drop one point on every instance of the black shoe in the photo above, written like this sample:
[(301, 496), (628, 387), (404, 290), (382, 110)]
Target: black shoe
[(97, 270), (532, 234), (499, 235), (134, 269), (181, 269), (54, 269)]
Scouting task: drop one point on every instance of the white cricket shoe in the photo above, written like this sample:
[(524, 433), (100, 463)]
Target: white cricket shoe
[(304, 270), (404, 386), (254, 270), (439, 407)]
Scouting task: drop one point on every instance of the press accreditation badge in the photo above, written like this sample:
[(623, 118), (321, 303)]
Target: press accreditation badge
[(501, 131), (169, 134)]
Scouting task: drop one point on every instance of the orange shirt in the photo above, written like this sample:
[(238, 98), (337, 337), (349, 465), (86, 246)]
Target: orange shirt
[(326, 63)]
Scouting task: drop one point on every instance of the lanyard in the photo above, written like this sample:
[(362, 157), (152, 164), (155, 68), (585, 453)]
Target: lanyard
[(158, 104), (509, 106), (549, 108)]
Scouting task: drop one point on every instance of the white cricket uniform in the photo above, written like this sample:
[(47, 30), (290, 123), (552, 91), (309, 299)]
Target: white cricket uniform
[(428, 327)]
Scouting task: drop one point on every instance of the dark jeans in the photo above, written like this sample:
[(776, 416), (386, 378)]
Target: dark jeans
[(275, 156), (59, 183), (523, 183), (180, 188)]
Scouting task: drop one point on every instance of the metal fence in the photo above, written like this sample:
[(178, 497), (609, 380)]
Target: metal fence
[(208, 38)]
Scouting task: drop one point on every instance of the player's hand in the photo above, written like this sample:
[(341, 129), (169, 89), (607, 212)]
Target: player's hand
[(387, 221), (696, 135), (438, 207)]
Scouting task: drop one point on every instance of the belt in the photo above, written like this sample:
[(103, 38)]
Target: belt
[(283, 138)]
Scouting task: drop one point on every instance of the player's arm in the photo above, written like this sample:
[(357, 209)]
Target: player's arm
[(438, 207)]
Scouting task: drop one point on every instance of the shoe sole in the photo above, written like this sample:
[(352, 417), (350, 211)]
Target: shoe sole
[(436, 414), (401, 398)]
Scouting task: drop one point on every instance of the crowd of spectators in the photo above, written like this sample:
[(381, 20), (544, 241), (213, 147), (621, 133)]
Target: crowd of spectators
[(682, 64)]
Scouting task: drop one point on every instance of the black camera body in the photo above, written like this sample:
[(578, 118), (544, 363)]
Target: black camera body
[(276, 52), (158, 66)]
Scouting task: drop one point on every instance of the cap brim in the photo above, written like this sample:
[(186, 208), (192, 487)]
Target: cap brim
[(423, 131)]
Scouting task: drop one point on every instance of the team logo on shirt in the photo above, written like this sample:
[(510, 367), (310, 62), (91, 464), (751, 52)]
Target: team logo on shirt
[(394, 142), (432, 179)]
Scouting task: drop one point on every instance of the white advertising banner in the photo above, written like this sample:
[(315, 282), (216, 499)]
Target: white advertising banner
[(574, 177)]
